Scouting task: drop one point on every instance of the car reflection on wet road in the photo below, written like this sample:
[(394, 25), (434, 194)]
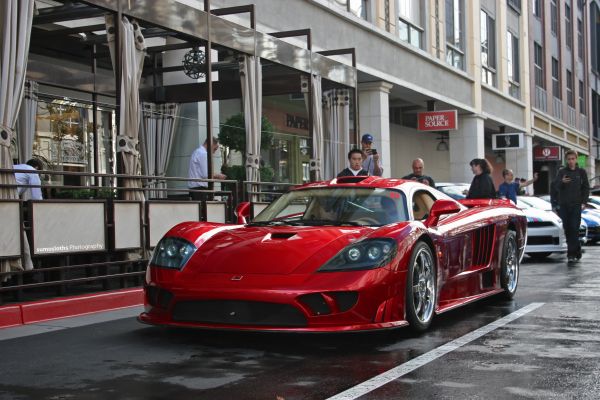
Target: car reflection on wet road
[(550, 350)]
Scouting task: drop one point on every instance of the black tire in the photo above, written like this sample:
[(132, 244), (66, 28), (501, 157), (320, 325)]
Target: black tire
[(420, 300), (509, 272)]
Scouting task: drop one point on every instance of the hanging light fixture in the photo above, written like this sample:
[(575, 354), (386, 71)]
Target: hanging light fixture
[(443, 143), (194, 63)]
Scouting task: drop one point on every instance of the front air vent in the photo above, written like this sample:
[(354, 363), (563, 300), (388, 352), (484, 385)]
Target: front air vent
[(282, 235)]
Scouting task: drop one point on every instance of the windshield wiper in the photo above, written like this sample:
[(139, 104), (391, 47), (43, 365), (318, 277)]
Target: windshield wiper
[(266, 223), (320, 222)]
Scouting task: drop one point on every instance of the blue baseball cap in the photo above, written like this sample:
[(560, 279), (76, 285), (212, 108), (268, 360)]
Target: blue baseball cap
[(367, 137)]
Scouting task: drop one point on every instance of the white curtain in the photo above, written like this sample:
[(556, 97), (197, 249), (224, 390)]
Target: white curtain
[(132, 50), (336, 121), (316, 164), (158, 128), (251, 80), (16, 17), (26, 122)]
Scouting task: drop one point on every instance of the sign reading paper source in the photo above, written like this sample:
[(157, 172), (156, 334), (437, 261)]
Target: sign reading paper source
[(507, 141), (437, 120)]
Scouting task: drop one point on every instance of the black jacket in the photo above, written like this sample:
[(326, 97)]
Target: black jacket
[(482, 187), (420, 178), (575, 192), (348, 172)]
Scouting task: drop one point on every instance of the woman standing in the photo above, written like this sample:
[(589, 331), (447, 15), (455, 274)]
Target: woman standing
[(482, 186)]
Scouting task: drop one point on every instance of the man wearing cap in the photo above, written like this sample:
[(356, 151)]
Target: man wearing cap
[(371, 160)]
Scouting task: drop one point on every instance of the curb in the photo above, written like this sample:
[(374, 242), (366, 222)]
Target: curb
[(45, 310)]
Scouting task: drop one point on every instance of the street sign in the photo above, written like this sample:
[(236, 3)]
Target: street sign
[(437, 120), (507, 141), (546, 153)]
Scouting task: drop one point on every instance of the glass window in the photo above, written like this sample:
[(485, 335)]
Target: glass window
[(555, 79), (409, 21), (539, 65), (356, 7), (515, 4), (537, 8), (568, 27), (488, 49), (65, 139), (579, 38), (570, 94), (581, 98), (512, 54), (455, 33), (554, 17)]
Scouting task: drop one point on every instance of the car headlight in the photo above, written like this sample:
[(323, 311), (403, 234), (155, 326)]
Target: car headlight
[(366, 254), (172, 252)]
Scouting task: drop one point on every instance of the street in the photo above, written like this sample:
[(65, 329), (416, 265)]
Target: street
[(544, 344)]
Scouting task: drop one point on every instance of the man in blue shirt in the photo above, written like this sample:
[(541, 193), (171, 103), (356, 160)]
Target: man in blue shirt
[(509, 188)]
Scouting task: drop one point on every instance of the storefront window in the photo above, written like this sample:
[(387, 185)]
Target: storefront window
[(65, 140)]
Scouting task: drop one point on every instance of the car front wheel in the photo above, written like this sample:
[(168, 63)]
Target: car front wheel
[(420, 288)]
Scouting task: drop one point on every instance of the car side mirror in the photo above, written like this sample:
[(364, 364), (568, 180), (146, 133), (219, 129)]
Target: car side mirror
[(242, 212), (439, 208)]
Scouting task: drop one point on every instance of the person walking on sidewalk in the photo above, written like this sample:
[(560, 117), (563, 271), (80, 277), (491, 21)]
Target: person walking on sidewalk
[(569, 194)]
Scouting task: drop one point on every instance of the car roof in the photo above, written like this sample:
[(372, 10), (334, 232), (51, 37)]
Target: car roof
[(361, 181)]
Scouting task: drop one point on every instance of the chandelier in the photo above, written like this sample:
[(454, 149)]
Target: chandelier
[(193, 63)]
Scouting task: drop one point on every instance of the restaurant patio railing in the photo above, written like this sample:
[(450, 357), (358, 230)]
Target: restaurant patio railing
[(86, 238)]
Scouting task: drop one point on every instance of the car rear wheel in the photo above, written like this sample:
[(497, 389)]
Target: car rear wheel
[(509, 273), (420, 288)]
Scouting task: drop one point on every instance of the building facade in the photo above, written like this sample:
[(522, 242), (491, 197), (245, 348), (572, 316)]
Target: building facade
[(506, 66)]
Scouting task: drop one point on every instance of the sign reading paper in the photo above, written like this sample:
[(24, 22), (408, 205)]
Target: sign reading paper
[(437, 120), (546, 153)]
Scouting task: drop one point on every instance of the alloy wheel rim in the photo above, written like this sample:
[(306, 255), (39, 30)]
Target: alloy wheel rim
[(423, 286), (511, 266)]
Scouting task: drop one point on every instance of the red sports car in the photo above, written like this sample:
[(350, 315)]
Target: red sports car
[(353, 253)]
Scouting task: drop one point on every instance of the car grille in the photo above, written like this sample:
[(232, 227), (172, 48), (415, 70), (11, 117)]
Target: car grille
[(594, 230), (539, 224), (537, 240), (236, 312)]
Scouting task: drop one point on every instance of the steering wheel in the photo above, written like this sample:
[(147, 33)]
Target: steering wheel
[(367, 221)]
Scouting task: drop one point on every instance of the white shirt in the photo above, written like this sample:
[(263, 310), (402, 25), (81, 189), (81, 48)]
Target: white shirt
[(369, 164), (27, 178), (198, 167)]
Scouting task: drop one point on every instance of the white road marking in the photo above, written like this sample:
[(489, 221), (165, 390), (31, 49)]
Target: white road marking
[(403, 369)]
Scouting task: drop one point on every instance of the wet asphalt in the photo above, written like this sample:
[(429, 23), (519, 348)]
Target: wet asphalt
[(553, 352)]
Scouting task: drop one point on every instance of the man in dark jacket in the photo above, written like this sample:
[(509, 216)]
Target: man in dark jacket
[(355, 158), (569, 194)]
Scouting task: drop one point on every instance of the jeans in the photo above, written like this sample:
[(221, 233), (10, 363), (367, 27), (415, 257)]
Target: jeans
[(571, 219)]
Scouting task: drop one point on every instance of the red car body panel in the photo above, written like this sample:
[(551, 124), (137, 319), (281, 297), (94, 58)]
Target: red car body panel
[(254, 269)]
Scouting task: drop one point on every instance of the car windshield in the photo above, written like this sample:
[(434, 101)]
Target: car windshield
[(336, 206), (533, 202), (457, 192)]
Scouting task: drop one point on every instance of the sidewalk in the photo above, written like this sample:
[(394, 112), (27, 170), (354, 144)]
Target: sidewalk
[(45, 310)]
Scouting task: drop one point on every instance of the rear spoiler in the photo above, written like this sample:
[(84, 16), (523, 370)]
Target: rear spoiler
[(470, 203)]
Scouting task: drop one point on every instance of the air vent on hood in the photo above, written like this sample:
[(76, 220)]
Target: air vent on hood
[(282, 235)]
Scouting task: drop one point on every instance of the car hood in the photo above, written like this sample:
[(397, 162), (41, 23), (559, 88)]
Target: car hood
[(537, 215), (269, 250), (591, 218)]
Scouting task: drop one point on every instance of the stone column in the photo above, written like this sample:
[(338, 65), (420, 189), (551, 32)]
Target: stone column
[(466, 143), (373, 107), (521, 160)]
